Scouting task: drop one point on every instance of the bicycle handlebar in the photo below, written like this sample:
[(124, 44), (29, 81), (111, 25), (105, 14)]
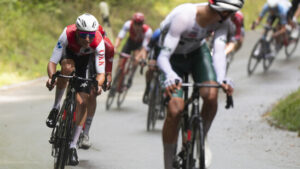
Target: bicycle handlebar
[(229, 99), (58, 74)]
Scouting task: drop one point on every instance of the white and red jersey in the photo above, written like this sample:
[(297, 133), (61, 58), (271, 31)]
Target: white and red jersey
[(109, 50), (238, 21), (139, 36), (67, 40)]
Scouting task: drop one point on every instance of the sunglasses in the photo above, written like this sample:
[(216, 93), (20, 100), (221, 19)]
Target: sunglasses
[(83, 35), (138, 23)]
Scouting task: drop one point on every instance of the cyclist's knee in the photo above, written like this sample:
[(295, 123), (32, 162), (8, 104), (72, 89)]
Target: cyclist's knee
[(175, 107), (82, 99), (67, 66)]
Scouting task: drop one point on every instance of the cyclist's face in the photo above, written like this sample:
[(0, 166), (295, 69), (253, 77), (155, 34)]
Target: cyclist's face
[(138, 24), (85, 38), (226, 14)]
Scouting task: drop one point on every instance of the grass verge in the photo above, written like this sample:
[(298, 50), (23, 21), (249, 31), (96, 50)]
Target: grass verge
[(286, 113)]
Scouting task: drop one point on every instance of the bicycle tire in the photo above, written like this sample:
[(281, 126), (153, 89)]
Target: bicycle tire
[(199, 140), (112, 92), (122, 95), (289, 50), (59, 162), (157, 101), (151, 105), (267, 63), (255, 57), (65, 136)]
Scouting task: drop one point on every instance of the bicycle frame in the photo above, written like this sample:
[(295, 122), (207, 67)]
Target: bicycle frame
[(192, 127), (62, 133)]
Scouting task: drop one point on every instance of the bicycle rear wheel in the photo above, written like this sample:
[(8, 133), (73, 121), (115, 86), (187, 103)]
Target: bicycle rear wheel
[(255, 57), (292, 45)]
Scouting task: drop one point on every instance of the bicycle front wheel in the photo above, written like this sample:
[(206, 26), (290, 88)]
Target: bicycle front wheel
[(112, 91), (197, 155), (255, 57), (151, 105), (60, 159)]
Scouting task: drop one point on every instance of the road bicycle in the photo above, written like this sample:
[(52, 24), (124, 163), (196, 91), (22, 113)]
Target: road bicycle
[(192, 152), (267, 47), (61, 135), (122, 81), (156, 105)]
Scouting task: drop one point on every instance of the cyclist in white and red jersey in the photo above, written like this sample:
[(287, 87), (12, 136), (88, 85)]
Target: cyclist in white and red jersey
[(81, 48), (139, 37), (84, 141), (236, 39), (184, 51)]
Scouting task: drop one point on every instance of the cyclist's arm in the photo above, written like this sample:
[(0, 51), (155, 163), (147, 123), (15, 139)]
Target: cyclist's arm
[(122, 34), (177, 27), (58, 51), (219, 57), (147, 38), (148, 35), (100, 62), (262, 14), (109, 54)]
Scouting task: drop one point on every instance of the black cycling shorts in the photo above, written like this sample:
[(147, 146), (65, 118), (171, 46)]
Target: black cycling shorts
[(84, 67), (130, 46)]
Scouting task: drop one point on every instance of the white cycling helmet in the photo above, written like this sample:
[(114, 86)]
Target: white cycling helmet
[(226, 5), (272, 3), (87, 22)]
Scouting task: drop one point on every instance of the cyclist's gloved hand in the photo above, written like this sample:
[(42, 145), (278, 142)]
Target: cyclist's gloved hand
[(172, 83), (228, 88), (229, 102), (99, 90), (49, 84)]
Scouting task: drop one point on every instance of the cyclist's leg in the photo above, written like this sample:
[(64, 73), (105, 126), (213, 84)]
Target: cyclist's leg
[(203, 72), (67, 67), (170, 129), (91, 108), (175, 107), (133, 47)]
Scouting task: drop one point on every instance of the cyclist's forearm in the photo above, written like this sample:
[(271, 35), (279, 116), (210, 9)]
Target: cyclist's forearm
[(100, 78), (117, 43), (229, 48), (280, 31), (51, 69)]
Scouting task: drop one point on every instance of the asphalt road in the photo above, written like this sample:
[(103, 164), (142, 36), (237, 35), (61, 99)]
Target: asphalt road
[(240, 138)]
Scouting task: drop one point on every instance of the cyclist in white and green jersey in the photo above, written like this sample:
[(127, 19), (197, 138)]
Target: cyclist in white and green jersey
[(184, 51)]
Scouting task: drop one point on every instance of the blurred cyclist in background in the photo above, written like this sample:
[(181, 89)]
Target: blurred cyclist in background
[(139, 37)]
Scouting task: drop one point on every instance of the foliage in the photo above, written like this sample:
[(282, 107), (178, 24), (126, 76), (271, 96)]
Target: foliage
[(30, 28), (286, 113)]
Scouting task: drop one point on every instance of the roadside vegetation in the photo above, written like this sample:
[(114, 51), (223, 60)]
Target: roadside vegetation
[(29, 31), (286, 114)]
